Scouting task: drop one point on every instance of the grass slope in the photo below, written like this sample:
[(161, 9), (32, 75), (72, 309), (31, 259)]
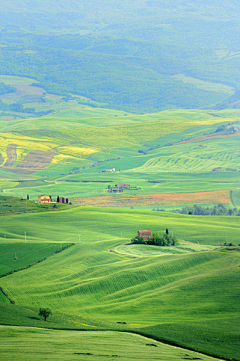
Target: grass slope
[(65, 226), (184, 290), (17, 256), (87, 346)]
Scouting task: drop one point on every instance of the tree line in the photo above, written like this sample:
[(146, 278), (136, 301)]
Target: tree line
[(217, 210)]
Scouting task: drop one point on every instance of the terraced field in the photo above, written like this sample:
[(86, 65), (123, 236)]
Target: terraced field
[(205, 157)]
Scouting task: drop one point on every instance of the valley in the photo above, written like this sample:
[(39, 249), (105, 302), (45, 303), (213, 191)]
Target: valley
[(119, 180)]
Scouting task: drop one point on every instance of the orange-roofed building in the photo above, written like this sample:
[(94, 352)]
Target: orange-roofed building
[(44, 199)]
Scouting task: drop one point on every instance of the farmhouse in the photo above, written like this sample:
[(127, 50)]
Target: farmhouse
[(145, 234), (114, 190), (108, 170), (44, 199), (123, 185)]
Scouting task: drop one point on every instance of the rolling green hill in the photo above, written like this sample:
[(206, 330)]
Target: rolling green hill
[(184, 290)]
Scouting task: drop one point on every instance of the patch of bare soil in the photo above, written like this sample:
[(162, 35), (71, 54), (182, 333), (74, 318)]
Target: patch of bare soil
[(11, 155), (34, 161), (207, 137), (23, 90)]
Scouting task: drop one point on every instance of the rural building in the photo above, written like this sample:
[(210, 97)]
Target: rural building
[(218, 169), (108, 170), (145, 234), (114, 190), (44, 199), (123, 185), (234, 128)]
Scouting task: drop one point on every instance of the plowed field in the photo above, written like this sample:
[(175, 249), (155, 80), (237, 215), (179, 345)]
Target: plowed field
[(123, 200)]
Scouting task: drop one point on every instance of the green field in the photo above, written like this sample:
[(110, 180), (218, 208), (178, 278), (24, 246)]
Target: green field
[(20, 256), (131, 288), (87, 346), (172, 151)]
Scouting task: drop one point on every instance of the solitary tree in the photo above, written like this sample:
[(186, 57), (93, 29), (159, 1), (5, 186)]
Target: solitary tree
[(44, 312)]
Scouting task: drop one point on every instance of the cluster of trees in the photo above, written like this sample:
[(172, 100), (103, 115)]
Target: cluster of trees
[(15, 107), (5, 89), (18, 107), (218, 210), (156, 240)]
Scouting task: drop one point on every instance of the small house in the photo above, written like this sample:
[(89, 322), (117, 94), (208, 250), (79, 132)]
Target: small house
[(44, 199), (108, 170), (123, 185), (217, 169), (145, 234)]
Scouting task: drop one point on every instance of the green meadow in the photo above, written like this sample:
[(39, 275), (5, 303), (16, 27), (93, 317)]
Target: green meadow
[(106, 282), (87, 346)]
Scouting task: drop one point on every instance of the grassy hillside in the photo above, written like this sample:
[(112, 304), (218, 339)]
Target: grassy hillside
[(90, 221), (19, 256), (183, 290)]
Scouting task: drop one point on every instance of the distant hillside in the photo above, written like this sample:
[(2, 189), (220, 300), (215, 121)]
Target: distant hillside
[(232, 102), (138, 56)]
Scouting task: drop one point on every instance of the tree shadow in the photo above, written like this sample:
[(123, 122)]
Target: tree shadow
[(35, 318)]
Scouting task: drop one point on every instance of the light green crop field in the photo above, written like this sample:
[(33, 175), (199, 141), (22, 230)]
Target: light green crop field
[(236, 197), (78, 139), (165, 169), (139, 250), (120, 286), (109, 224), (28, 344)]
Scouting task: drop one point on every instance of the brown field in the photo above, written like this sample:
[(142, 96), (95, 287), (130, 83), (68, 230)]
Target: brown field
[(123, 200), (11, 155), (202, 138), (34, 161)]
